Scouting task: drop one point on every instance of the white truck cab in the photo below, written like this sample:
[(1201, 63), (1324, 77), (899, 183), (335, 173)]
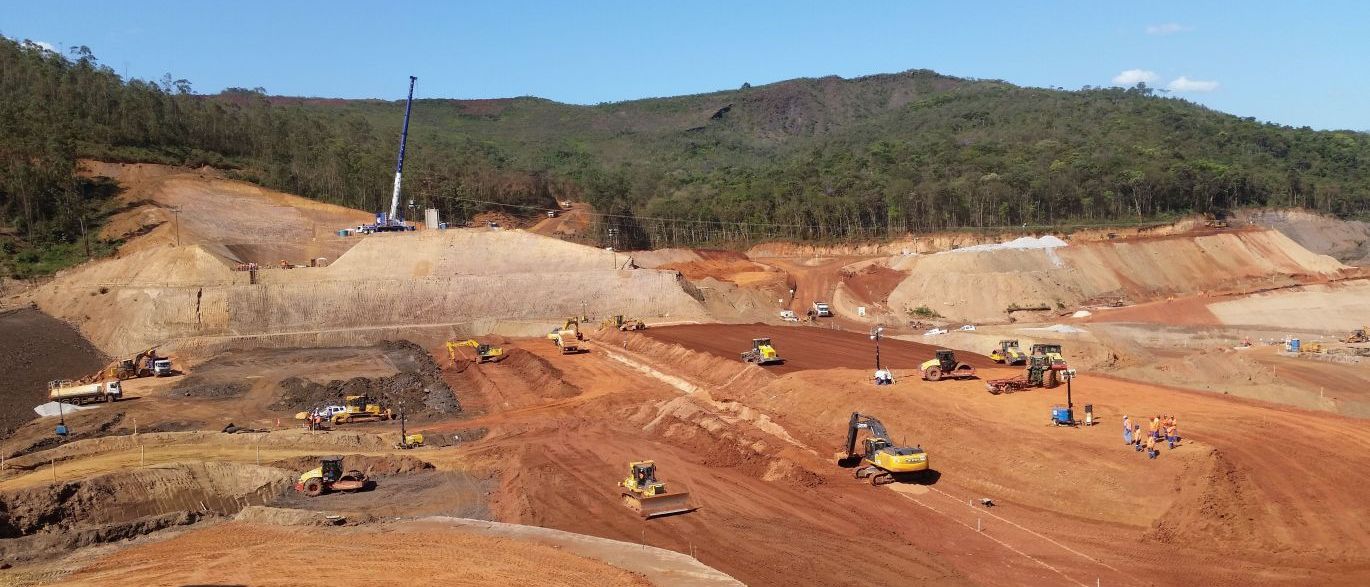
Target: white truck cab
[(822, 310)]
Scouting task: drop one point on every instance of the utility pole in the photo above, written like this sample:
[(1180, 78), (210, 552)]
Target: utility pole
[(876, 331)]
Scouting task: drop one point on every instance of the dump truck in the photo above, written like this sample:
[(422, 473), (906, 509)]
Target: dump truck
[(567, 337), (762, 353), (1008, 353), (647, 496), (82, 393), (821, 310), (945, 366), (880, 460), (329, 476)]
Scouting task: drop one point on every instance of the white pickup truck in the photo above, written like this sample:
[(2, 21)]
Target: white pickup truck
[(80, 393)]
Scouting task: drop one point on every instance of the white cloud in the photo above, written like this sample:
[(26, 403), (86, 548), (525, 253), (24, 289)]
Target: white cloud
[(1168, 28), (1184, 84), (1132, 76)]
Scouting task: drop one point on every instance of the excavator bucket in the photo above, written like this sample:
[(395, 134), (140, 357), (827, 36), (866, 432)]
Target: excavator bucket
[(659, 505)]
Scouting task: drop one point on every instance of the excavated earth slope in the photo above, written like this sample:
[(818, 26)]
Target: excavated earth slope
[(982, 286), (450, 282)]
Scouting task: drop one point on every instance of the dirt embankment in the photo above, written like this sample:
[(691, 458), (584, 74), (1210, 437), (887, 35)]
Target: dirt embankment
[(35, 349), (52, 519), (418, 388), (1347, 241)]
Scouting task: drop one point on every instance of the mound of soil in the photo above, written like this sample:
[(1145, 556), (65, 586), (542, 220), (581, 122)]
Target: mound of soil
[(198, 387), (34, 349), (540, 374), (373, 466), (418, 387)]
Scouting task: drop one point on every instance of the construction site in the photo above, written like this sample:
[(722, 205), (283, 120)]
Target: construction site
[(256, 382), (459, 403)]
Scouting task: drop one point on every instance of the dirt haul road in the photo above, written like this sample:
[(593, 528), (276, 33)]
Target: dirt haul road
[(1229, 507), (806, 348)]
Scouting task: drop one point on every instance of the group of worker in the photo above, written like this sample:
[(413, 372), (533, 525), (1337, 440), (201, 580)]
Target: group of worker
[(1160, 429)]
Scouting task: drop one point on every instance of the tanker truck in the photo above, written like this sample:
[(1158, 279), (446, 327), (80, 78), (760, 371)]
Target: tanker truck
[(80, 393)]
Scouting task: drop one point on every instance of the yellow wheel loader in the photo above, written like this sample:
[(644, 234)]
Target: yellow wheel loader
[(1008, 353), (483, 352), (762, 353), (880, 460), (645, 495), (945, 366), (329, 476)]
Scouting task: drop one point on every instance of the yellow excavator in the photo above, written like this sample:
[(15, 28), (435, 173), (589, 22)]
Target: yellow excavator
[(645, 495), (880, 459), (1008, 353), (1357, 336), (762, 353), (144, 364), (484, 352), (567, 337)]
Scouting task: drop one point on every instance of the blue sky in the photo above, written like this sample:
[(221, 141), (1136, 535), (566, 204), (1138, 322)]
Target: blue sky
[(1297, 63)]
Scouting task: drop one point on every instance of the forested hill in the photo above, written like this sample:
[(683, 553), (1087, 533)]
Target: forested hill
[(806, 158)]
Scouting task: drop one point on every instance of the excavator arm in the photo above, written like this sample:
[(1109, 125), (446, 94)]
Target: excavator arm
[(858, 422)]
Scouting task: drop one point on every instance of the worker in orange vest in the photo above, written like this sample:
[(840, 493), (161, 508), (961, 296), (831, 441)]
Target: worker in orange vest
[(1151, 447), (1155, 426)]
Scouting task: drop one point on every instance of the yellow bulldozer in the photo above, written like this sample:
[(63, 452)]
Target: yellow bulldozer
[(945, 366), (645, 495), (880, 460), (762, 353), (1357, 336), (626, 324), (567, 337), (1008, 353), (360, 408), (483, 352)]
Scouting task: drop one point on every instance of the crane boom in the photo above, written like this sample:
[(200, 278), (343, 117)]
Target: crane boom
[(399, 164)]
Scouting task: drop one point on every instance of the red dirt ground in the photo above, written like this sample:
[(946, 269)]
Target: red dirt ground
[(1239, 503), (807, 348)]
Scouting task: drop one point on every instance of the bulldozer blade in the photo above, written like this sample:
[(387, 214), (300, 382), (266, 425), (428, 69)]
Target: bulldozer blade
[(659, 505)]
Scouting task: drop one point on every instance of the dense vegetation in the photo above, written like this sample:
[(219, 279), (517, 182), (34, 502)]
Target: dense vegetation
[(807, 159)]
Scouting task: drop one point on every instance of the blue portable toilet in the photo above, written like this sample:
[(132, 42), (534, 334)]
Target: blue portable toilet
[(1294, 345)]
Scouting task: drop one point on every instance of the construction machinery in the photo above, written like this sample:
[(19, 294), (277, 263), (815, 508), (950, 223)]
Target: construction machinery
[(394, 221), (1038, 373), (1008, 353), (81, 393), (625, 324), (945, 366), (483, 352), (647, 496), (762, 353), (880, 459), (1357, 336), (567, 337), (1052, 352), (329, 476), (360, 408), (143, 364)]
